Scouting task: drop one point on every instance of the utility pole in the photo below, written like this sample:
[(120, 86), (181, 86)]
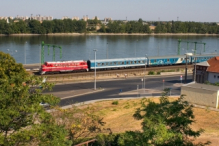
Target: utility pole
[(146, 58), (95, 68), (186, 71)]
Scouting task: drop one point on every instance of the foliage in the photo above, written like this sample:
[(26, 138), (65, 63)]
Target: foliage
[(82, 123), (214, 84), (151, 73), (115, 102), (81, 26), (23, 120), (166, 123), (163, 124)]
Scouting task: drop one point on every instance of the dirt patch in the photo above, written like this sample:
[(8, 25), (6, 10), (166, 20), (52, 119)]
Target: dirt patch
[(119, 118)]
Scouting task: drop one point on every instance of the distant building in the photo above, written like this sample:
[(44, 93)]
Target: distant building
[(75, 18), (22, 17), (85, 18), (5, 18), (208, 71), (201, 94), (95, 17), (41, 18), (65, 17), (106, 21)]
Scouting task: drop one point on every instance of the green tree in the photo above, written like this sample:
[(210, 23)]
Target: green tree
[(49, 26), (166, 123), (35, 27), (23, 120)]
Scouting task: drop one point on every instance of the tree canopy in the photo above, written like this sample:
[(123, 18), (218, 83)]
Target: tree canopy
[(166, 123), (23, 120), (116, 26)]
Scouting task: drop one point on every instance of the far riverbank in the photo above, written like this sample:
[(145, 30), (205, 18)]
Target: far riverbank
[(143, 34)]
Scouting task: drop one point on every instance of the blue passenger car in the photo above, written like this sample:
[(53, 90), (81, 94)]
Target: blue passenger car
[(102, 64), (116, 63)]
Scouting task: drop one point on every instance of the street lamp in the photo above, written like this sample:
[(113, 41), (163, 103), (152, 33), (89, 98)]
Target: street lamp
[(95, 68), (195, 59), (146, 58), (187, 54), (136, 47), (142, 83), (25, 53), (107, 51)]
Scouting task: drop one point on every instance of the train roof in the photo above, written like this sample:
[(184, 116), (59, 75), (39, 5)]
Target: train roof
[(65, 61), (153, 57), (134, 58)]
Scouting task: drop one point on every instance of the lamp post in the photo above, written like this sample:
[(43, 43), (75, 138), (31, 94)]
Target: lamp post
[(194, 68), (107, 51), (187, 54), (142, 83), (146, 58), (136, 47), (25, 53), (95, 68)]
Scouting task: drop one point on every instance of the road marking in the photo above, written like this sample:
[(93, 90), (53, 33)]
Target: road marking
[(81, 94)]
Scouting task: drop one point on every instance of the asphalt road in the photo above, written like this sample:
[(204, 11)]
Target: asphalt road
[(82, 92)]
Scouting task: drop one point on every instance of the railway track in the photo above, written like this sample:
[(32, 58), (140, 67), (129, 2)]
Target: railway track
[(119, 71)]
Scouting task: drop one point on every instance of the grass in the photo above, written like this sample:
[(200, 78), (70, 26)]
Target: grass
[(119, 118)]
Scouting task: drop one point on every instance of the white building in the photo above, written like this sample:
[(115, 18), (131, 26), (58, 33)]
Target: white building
[(75, 18)]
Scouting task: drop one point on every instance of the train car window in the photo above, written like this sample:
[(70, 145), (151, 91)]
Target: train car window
[(155, 60), (98, 64), (122, 62), (107, 63), (102, 64), (181, 59), (218, 77), (119, 63), (111, 63), (114, 63), (135, 62), (168, 59)]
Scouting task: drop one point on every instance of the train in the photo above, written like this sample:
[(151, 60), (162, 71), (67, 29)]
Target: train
[(107, 64)]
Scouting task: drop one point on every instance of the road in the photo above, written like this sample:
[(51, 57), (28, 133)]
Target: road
[(81, 92)]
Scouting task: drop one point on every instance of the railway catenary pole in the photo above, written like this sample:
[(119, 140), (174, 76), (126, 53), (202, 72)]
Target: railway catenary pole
[(95, 68), (54, 46), (179, 45), (146, 60)]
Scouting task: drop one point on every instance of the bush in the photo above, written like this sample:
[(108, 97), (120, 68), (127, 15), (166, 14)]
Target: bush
[(151, 73), (115, 102)]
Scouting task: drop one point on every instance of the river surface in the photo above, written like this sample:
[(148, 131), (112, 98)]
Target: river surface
[(26, 49)]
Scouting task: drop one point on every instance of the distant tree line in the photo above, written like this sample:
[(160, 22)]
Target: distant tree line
[(81, 26)]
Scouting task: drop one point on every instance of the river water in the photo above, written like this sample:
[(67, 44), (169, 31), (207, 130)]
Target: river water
[(26, 49)]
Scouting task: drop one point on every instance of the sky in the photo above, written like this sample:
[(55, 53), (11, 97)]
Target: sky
[(148, 10)]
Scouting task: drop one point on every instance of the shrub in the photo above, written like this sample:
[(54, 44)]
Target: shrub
[(151, 73), (115, 102)]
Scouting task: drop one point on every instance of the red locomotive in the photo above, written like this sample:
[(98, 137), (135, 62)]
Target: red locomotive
[(64, 66)]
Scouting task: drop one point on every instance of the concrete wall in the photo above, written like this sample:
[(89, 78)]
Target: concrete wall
[(213, 77), (200, 96)]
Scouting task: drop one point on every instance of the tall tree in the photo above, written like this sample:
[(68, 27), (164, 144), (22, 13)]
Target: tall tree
[(23, 120)]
